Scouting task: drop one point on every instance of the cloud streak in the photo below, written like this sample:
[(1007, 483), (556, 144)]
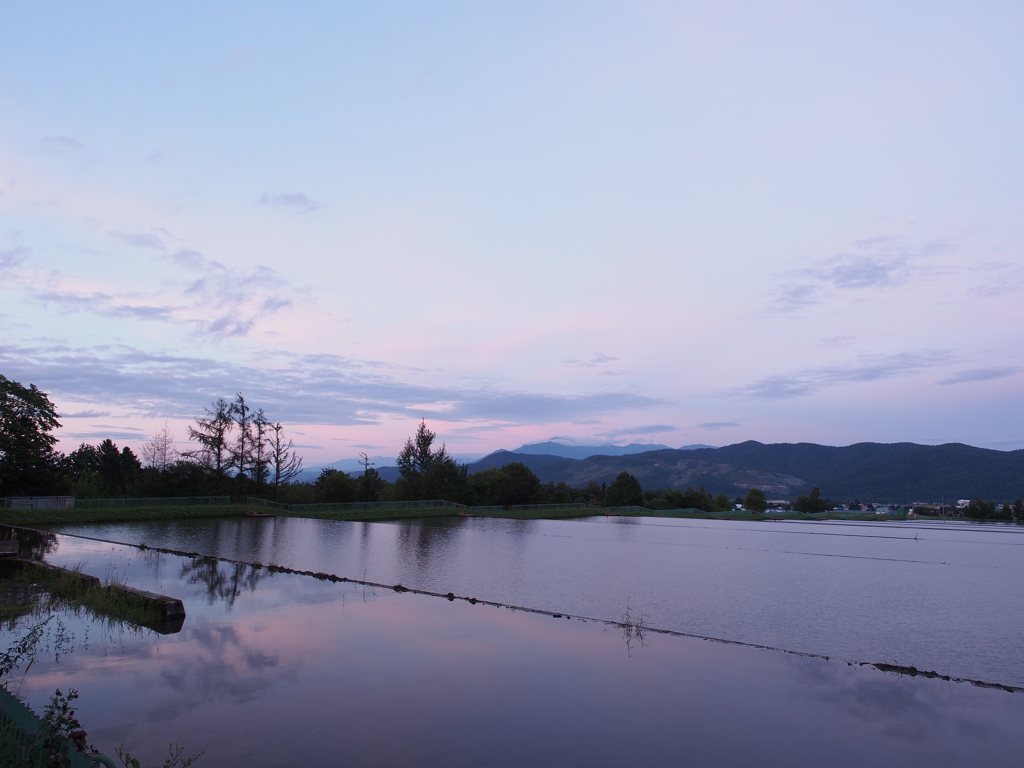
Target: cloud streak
[(597, 359), (650, 429), (13, 257), (60, 144), (980, 374), (871, 265), (311, 389), (139, 240), (865, 369), (104, 305), (296, 201), (214, 300)]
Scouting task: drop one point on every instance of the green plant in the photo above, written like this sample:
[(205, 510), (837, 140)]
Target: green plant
[(174, 758), (59, 734), (22, 649)]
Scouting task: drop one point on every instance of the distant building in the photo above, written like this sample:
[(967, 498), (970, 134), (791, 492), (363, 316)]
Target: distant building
[(38, 502)]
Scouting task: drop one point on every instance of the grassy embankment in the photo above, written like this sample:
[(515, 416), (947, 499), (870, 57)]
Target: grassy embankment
[(31, 517), (27, 587), (34, 517)]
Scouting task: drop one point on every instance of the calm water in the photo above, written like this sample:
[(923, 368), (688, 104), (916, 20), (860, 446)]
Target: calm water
[(285, 670), (948, 598)]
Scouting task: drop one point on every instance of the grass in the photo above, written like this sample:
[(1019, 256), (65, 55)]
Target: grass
[(34, 517), (117, 514), (30, 588)]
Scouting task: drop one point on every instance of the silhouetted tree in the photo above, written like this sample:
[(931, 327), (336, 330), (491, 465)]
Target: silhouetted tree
[(335, 486), (511, 484), (212, 434), (285, 464), (242, 451), (812, 502), (981, 509), (755, 500), (700, 499), (159, 451), (27, 459), (625, 491), (426, 473), (117, 469)]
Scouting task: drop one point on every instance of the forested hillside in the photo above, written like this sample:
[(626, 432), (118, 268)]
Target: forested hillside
[(875, 471)]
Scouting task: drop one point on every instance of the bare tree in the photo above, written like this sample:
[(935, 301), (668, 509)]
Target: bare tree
[(242, 450), (285, 464), (159, 451), (260, 467)]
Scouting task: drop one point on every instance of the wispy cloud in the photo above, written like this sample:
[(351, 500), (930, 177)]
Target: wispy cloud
[(313, 389), (649, 429), (13, 257), (194, 260), (240, 297), (139, 240), (296, 201), (597, 359), (874, 264), (867, 368), (113, 433), (87, 415), (214, 300), (104, 305), (980, 374), (713, 425), (838, 341), (998, 279), (60, 144)]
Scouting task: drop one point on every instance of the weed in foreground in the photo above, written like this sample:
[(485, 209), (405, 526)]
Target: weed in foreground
[(174, 758), (633, 629)]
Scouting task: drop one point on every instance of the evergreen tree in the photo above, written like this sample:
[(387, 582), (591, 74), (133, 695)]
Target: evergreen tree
[(426, 473), (212, 434), (285, 464)]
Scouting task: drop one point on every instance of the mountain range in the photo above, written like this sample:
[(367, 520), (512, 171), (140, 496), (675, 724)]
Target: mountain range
[(901, 472), (880, 472), (552, 448)]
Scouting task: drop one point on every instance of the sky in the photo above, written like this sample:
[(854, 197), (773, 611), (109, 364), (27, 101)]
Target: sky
[(597, 222)]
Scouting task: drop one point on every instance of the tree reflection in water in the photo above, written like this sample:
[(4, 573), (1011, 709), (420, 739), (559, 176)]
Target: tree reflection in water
[(32, 544), (223, 581)]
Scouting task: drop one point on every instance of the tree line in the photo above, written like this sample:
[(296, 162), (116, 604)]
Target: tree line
[(238, 450)]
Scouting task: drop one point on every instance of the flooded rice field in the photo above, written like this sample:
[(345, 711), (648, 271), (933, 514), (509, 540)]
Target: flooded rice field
[(277, 669), (940, 597)]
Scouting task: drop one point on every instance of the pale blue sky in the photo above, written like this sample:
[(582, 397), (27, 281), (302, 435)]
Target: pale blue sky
[(667, 222)]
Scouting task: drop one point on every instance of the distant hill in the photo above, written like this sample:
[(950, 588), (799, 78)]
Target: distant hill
[(541, 463), (880, 472), (552, 448), (901, 472)]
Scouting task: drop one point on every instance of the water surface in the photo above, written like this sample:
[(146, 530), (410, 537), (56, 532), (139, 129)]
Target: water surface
[(275, 669), (939, 597)]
